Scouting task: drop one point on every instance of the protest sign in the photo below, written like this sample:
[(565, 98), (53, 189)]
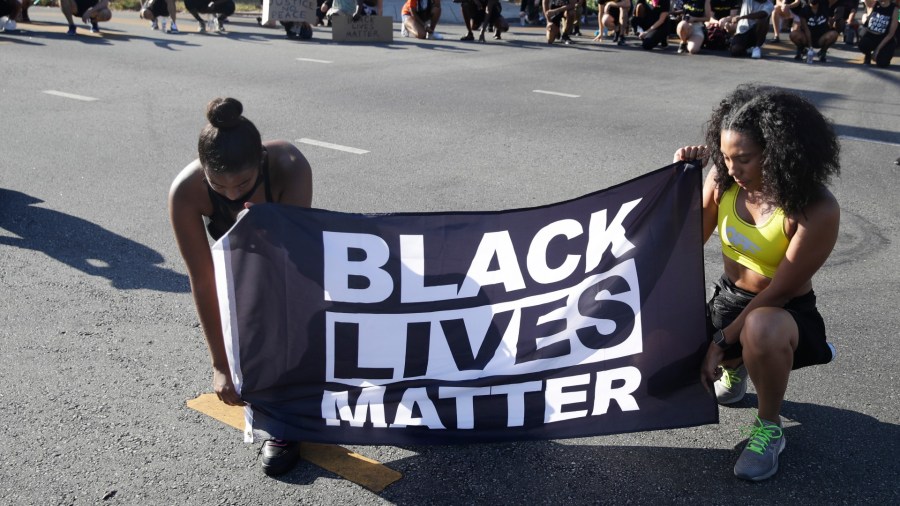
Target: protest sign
[(289, 10), (573, 319), (367, 29)]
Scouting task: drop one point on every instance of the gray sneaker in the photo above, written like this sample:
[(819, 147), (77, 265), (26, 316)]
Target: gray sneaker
[(759, 460), (732, 386)]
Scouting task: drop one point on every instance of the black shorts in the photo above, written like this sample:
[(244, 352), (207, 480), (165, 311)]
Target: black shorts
[(81, 6), (223, 9), (816, 35), (728, 301), (159, 8), (746, 39)]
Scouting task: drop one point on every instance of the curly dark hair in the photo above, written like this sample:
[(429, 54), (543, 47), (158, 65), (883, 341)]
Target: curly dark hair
[(800, 149), (230, 142)]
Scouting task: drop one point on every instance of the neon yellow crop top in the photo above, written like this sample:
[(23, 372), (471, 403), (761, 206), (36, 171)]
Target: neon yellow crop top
[(759, 248)]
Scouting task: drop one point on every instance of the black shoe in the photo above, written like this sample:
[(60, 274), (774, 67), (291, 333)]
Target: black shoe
[(278, 457), (616, 37), (468, 37), (621, 41), (664, 43), (682, 48), (867, 59), (823, 57), (25, 18), (566, 40), (800, 52), (576, 31)]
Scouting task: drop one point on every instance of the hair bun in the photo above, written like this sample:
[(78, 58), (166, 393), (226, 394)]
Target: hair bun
[(224, 112)]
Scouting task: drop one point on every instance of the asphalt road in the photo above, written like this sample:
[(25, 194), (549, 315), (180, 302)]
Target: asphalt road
[(100, 342)]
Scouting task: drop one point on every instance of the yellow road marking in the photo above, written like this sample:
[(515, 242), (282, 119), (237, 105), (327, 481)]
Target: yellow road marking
[(361, 470)]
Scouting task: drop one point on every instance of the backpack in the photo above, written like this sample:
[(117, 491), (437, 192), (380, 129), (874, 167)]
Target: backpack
[(716, 39)]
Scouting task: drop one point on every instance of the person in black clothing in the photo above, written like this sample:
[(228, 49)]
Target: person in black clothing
[(235, 170), (478, 14), (9, 9), (880, 40), (152, 10), (90, 11), (560, 16), (815, 30), (651, 23), (220, 8)]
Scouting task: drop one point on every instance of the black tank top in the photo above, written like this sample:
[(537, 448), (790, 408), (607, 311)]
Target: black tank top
[(879, 21), (225, 211), (695, 8)]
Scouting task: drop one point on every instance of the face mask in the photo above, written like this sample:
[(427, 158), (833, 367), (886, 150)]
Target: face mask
[(239, 202)]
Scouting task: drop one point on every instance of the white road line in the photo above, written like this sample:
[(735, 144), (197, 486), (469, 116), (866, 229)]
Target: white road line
[(313, 60), (556, 93), (329, 145), (70, 95), (851, 138)]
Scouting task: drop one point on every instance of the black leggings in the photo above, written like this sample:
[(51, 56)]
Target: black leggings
[(869, 42)]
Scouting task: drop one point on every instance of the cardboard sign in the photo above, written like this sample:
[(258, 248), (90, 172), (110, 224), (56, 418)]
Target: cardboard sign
[(289, 10), (367, 29)]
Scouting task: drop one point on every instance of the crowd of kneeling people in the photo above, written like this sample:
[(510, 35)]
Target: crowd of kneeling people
[(741, 27)]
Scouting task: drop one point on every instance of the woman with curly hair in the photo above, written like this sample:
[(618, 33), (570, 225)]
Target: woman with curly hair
[(235, 169), (773, 154)]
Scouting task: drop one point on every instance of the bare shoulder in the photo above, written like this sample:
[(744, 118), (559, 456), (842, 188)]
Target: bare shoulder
[(291, 173), (186, 183), (824, 210)]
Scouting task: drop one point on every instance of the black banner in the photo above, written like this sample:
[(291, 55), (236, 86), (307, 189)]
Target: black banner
[(574, 319)]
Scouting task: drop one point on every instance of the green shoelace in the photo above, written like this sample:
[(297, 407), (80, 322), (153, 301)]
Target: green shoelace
[(761, 435), (730, 377)]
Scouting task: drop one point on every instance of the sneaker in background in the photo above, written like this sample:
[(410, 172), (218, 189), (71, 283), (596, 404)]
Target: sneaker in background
[(10, 25), (732, 386), (759, 460), (823, 55), (95, 27), (72, 30), (173, 28), (682, 48), (403, 31)]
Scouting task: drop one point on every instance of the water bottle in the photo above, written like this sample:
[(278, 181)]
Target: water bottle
[(163, 24)]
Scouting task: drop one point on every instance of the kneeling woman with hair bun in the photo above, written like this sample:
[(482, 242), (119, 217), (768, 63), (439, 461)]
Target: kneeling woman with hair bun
[(235, 169), (773, 154)]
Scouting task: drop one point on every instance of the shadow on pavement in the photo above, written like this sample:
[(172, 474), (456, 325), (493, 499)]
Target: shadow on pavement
[(83, 245), (833, 456)]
